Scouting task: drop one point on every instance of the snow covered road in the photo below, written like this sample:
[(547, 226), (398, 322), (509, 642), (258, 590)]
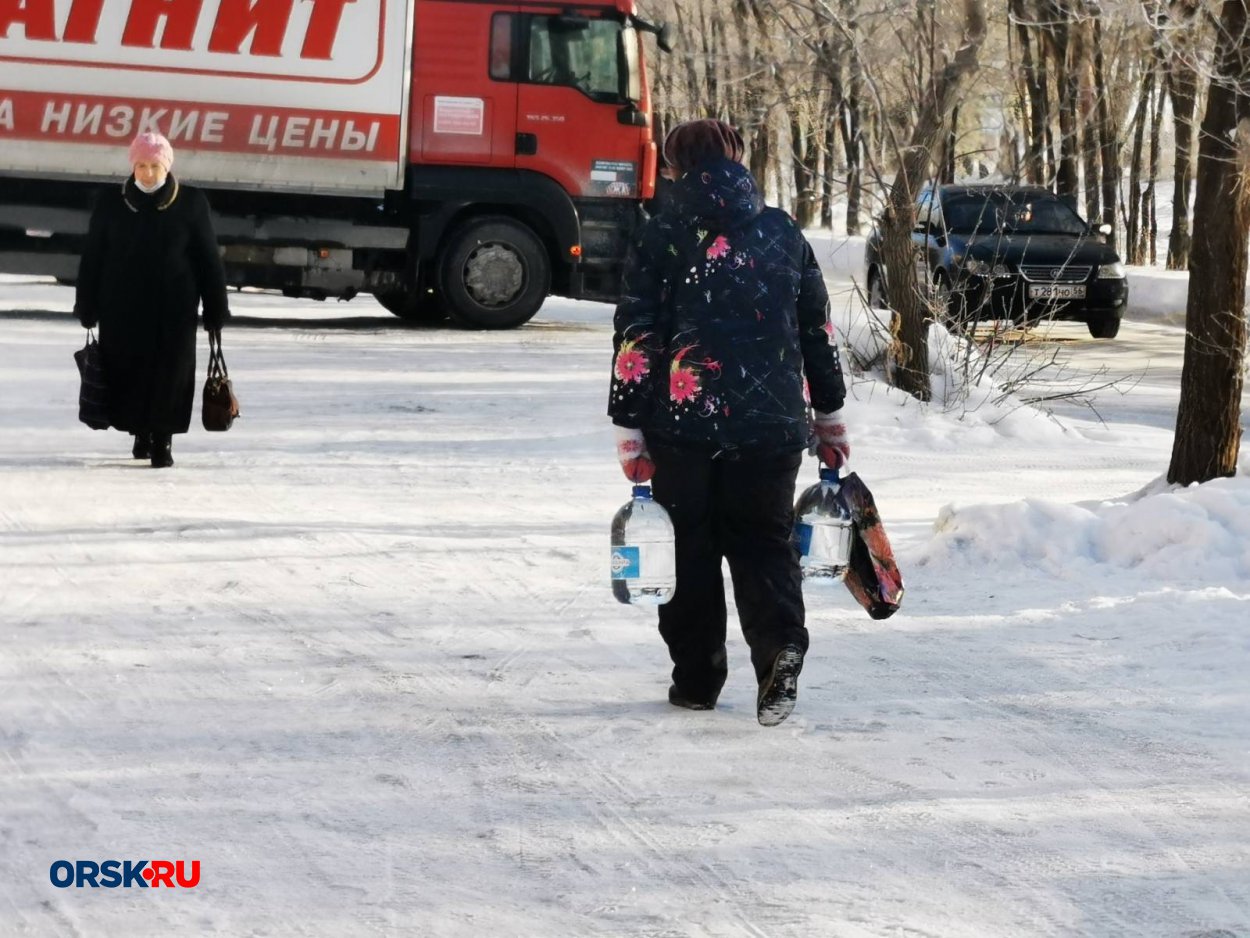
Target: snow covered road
[(359, 657)]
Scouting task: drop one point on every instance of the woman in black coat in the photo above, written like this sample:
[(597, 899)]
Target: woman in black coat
[(150, 260)]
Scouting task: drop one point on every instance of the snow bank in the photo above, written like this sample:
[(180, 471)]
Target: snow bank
[(1200, 533)]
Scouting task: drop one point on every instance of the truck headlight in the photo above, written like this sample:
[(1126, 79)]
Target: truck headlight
[(1111, 271)]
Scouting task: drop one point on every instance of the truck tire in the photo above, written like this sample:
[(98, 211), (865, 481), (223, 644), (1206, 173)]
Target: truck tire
[(411, 305), (495, 274)]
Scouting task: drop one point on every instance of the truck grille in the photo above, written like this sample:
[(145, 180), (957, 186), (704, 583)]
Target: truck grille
[(1054, 273)]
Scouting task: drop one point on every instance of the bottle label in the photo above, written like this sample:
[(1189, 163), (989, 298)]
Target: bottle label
[(803, 537), (626, 564)]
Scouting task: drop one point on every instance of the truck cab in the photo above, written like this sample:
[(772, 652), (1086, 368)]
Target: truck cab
[(551, 120), (454, 158)]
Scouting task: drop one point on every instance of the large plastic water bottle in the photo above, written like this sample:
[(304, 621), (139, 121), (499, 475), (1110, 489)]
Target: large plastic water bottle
[(644, 560), (823, 528)]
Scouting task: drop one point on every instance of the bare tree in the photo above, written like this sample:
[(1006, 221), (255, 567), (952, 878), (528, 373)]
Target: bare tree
[(1108, 142), (1183, 90), (1032, 78), (1208, 421), (909, 320)]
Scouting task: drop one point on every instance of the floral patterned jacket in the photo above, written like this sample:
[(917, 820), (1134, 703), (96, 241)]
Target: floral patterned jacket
[(721, 367)]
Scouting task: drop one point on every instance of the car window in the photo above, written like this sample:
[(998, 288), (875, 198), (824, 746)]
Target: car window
[(1026, 212)]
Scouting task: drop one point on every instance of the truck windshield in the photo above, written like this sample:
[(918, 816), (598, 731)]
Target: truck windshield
[(582, 56)]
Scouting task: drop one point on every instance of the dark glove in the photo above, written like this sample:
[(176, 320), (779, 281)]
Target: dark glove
[(87, 322)]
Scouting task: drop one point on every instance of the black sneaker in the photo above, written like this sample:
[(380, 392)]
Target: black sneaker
[(143, 446), (780, 690), (678, 699)]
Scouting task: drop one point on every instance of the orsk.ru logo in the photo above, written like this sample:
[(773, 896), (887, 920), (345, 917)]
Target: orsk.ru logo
[(146, 874)]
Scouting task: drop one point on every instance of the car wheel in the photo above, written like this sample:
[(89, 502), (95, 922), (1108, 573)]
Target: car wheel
[(1103, 327), (495, 274)]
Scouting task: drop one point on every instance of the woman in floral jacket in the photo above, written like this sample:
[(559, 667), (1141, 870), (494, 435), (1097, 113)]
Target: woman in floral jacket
[(724, 321)]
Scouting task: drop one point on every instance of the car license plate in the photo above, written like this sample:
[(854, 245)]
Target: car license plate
[(1057, 291)]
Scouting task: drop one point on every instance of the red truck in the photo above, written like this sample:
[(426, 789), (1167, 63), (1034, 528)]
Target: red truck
[(464, 158)]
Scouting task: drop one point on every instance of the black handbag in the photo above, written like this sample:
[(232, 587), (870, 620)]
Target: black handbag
[(220, 407), (93, 409)]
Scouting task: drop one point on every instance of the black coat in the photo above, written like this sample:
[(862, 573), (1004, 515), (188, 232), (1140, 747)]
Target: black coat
[(724, 319), (149, 261)]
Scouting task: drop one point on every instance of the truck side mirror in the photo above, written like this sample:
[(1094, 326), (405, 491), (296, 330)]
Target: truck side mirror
[(665, 35)]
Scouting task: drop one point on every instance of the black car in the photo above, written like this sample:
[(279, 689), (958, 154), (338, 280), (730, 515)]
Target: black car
[(986, 252)]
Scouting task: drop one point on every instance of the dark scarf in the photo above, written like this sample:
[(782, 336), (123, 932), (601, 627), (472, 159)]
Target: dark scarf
[(138, 201)]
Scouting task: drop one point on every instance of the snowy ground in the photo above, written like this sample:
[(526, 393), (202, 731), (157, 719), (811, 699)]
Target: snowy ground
[(359, 657)]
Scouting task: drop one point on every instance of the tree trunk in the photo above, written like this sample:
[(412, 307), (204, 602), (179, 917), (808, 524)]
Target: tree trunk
[(1183, 90), (826, 182), (1108, 144), (1132, 230), (803, 152), (853, 140), (909, 321), (1082, 62), (1067, 179), (1150, 218), (1208, 421), (755, 127), (948, 150), (710, 57), (1035, 166)]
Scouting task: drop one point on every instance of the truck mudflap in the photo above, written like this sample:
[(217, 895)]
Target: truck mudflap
[(609, 229)]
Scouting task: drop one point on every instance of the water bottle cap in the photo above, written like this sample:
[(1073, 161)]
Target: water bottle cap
[(828, 474), (642, 491)]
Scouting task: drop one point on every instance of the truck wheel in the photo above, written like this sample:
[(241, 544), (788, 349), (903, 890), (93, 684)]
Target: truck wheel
[(495, 274), (412, 305), (1104, 327)]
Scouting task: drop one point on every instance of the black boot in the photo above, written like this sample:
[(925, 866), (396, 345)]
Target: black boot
[(780, 688), (143, 446), (162, 455), (678, 699)]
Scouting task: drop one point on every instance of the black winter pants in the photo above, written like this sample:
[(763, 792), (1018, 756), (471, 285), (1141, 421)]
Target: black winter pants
[(740, 510)]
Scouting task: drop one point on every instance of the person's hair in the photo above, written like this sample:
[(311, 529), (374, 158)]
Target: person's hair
[(692, 143)]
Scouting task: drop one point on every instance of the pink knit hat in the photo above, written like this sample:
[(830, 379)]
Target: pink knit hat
[(151, 148)]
